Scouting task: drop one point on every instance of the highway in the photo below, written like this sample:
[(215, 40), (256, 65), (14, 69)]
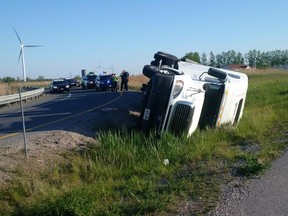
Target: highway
[(68, 111)]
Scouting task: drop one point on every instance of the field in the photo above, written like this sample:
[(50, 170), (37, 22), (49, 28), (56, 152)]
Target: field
[(135, 82), (13, 88), (128, 173)]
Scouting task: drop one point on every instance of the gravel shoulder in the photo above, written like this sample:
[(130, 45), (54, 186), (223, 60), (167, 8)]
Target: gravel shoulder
[(265, 195)]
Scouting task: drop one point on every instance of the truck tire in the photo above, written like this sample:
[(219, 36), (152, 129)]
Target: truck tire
[(150, 70), (167, 59), (160, 55)]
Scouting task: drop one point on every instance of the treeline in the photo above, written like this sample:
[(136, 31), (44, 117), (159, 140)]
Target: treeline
[(41, 78), (254, 58), (9, 79)]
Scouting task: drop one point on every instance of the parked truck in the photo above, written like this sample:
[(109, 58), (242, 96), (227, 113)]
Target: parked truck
[(88, 81), (182, 95)]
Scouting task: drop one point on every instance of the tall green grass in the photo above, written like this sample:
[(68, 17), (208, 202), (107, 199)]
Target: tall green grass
[(127, 173)]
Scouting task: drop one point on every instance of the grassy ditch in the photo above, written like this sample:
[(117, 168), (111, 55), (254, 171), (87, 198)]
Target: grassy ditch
[(127, 173)]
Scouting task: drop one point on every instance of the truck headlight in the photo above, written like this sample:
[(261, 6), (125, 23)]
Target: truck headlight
[(178, 88)]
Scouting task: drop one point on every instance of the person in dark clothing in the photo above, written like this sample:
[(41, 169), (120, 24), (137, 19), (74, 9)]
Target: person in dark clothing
[(124, 80)]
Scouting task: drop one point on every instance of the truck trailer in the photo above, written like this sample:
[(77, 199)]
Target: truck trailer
[(182, 95)]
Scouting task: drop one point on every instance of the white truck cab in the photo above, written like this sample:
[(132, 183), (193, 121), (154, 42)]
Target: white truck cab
[(182, 96)]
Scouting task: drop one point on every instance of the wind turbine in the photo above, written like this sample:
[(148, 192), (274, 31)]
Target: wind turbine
[(21, 54), (112, 68), (100, 67)]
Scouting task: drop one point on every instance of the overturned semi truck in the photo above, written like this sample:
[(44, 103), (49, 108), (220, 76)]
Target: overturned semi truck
[(182, 96)]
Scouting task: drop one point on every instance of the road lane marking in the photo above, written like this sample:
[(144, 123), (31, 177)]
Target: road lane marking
[(34, 107), (59, 120)]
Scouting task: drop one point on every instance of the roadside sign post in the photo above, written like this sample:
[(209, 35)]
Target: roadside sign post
[(23, 122)]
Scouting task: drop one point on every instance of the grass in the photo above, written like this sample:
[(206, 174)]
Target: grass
[(12, 88), (135, 82), (124, 173)]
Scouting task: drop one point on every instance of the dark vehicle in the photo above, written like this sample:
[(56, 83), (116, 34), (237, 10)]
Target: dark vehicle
[(59, 86), (88, 81), (72, 82), (103, 82)]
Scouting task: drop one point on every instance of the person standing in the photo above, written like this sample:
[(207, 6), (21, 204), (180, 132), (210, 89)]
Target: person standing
[(124, 80), (114, 81)]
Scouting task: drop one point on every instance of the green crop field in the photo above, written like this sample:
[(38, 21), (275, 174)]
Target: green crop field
[(128, 173)]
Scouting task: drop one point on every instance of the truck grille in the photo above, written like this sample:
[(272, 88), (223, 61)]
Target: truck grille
[(182, 118)]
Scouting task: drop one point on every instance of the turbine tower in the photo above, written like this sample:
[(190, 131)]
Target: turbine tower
[(21, 54)]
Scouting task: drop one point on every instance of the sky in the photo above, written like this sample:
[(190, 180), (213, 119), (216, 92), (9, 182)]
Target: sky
[(117, 35)]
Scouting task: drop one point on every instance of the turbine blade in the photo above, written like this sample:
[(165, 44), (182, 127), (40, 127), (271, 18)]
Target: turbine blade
[(17, 36), (32, 45), (20, 54)]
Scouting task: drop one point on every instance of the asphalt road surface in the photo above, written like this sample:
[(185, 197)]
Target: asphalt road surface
[(70, 111)]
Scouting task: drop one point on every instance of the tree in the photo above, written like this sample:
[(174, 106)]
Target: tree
[(254, 58), (29, 79), (251, 57), (204, 59), (193, 56), (77, 77), (41, 78), (239, 58), (212, 60), (8, 79), (220, 58)]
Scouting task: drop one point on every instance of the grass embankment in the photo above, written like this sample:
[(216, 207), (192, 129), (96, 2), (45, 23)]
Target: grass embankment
[(13, 88), (124, 173)]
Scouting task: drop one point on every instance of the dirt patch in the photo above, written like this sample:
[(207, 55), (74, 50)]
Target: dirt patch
[(43, 150)]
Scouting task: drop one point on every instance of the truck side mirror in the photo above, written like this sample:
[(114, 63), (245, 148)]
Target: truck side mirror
[(217, 73)]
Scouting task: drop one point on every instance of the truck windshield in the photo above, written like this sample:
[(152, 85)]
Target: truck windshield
[(91, 78), (59, 82), (105, 77)]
